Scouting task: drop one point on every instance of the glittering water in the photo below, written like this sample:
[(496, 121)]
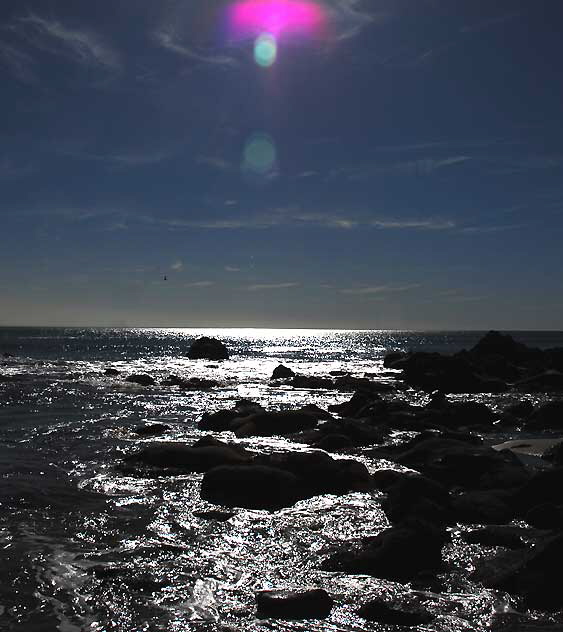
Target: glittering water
[(87, 547)]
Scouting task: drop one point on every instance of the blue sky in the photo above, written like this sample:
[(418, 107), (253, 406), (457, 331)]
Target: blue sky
[(402, 170)]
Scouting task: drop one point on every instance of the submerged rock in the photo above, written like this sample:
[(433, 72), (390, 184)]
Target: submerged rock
[(150, 430), (508, 537), (284, 604), (282, 372), (141, 378), (266, 424), (208, 349), (111, 372), (221, 419)]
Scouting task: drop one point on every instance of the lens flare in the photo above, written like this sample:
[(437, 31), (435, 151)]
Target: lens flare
[(278, 18), (265, 50), (259, 155)]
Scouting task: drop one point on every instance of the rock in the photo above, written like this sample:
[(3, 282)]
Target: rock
[(554, 454), (547, 417), (208, 349), (333, 442), (140, 378), (317, 411), (508, 537), (110, 372), (548, 382), (385, 478), (392, 358), (483, 507), (456, 463), (533, 575), (187, 458), (380, 612), (266, 424), (357, 434), (310, 382), (543, 487), (495, 343), (398, 554), (461, 414), (362, 384), (282, 372), (150, 430), (251, 487), (545, 516), (214, 514), (220, 420), (285, 604), (361, 404), (413, 496)]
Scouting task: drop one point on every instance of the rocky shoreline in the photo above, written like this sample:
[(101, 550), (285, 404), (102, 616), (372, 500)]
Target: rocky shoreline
[(446, 475)]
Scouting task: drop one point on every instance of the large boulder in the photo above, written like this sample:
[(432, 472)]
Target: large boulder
[(282, 372), (398, 554), (141, 378), (490, 507), (315, 603), (496, 344), (221, 419), (208, 349)]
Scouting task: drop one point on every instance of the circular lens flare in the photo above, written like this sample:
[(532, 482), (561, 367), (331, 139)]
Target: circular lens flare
[(259, 154), (265, 50)]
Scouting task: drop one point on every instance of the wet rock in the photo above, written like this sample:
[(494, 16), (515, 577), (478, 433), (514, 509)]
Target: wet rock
[(214, 514), (554, 454), (398, 554), (508, 537), (187, 458), (266, 424), (520, 410), (455, 463), (140, 378), (317, 411), (495, 343), (547, 417), (533, 575), (193, 383), (362, 384), (545, 516), (208, 349), (221, 420), (310, 382), (284, 604), (391, 359), (282, 372), (380, 612), (111, 372), (151, 430), (413, 496), (357, 433), (483, 507), (361, 404), (331, 442), (548, 382), (383, 479), (458, 414), (543, 487), (251, 487)]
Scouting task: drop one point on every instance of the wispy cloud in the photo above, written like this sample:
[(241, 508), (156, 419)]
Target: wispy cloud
[(259, 287), (125, 160), (232, 269), (196, 284), (414, 224), (9, 170), (379, 289), (51, 36), (20, 64), (472, 230), (177, 266), (169, 40)]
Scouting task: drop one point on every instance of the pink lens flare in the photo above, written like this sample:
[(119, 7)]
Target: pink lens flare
[(278, 18)]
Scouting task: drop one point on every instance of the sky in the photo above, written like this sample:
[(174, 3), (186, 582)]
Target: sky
[(388, 164)]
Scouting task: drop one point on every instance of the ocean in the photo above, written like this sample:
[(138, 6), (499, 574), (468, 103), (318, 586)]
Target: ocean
[(86, 545)]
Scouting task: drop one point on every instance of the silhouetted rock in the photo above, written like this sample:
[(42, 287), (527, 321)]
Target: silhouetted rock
[(220, 420), (520, 410), (457, 414), (150, 430), (383, 479), (380, 612), (533, 575), (111, 372), (496, 344), (545, 516), (285, 604), (361, 404), (140, 378), (507, 537), (543, 487), (208, 349), (251, 487), (214, 514), (333, 442), (413, 496), (391, 359), (547, 417), (310, 382), (456, 463), (483, 507), (188, 458), (554, 454), (398, 554), (356, 432), (282, 372), (265, 424)]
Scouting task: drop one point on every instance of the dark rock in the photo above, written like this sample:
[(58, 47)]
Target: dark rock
[(208, 349), (361, 404), (139, 378), (266, 424), (554, 454), (456, 463), (310, 382), (413, 496), (543, 488), (282, 372), (496, 344), (220, 420), (392, 358), (317, 411), (397, 554), (548, 416), (509, 538), (331, 442), (111, 372), (380, 612), (362, 384), (545, 516), (151, 430), (458, 414), (251, 487), (284, 604), (385, 478), (187, 458), (483, 507), (533, 575), (548, 382), (357, 433)]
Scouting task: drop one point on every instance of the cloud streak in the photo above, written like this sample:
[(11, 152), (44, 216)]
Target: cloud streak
[(378, 289), (260, 287)]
